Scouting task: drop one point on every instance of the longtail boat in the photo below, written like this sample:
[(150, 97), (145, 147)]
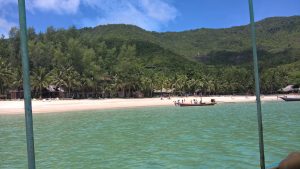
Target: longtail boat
[(198, 104), (289, 99)]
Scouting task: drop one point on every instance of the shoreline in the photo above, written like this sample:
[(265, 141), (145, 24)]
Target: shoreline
[(59, 106)]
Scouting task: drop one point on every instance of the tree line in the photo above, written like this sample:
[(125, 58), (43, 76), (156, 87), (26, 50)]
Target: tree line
[(117, 68)]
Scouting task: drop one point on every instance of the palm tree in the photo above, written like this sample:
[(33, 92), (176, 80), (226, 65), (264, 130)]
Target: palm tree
[(40, 79), (58, 77), (65, 77), (5, 71), (71, 78), (191, 85), (146, 84), (180, 83), (161, 81), (119, 84), (199, 84), (210, 86), (5, 75), (17, 78)]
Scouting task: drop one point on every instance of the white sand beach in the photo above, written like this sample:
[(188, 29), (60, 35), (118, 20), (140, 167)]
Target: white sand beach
[(52, 106)]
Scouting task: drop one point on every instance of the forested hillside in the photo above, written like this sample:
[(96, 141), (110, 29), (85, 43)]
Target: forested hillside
[(276, 37), (127, 61)]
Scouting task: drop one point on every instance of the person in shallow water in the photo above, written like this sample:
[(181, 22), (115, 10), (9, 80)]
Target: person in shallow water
[(291, 162)]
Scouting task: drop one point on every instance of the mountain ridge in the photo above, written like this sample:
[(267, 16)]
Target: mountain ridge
[(274, 35)]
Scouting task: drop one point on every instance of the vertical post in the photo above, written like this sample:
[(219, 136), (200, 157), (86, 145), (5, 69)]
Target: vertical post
[(26, 85), (257, 87)]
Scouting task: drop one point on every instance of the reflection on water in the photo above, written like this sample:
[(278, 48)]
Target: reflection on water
[(221, 136)]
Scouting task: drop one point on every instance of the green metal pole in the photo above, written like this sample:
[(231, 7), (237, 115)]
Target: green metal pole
[(26, 86), (257, 87)]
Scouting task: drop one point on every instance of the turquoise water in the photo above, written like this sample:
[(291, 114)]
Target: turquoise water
[(222, 136)]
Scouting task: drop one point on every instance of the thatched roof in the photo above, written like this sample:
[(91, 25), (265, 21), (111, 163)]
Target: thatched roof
[(163, 90), (290, 88), (52, 88)]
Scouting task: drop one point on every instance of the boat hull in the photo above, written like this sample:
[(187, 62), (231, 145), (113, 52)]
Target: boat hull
[(290, 99), (193, 105)]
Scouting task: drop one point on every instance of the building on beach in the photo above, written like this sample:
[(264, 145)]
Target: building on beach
[(290, 89)]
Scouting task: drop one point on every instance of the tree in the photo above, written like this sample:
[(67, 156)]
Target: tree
[(17, 78), (120, 58), (147, 85), (65, 77), (128, 69), (74, 54), (40, 79), (31, 33), (274, 79), (41, 54), (14, 46), (191, 85), (92, 68), (180, 83), (5, 75)]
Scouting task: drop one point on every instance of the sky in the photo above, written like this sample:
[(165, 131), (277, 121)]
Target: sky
[(152, 15)]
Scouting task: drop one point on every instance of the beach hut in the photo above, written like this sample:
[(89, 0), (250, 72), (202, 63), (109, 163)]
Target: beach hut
[(15, 94), (138, 94), (3, 97), (54, 91), (290, 89), (163, 92)]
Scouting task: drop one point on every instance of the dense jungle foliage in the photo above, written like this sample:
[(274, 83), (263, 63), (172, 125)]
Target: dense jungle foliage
[(127, 61)]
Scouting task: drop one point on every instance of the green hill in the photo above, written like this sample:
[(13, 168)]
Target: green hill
[(277, 38)]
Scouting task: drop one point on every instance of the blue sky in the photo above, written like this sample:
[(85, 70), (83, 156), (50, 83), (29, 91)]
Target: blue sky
[(153, 15)]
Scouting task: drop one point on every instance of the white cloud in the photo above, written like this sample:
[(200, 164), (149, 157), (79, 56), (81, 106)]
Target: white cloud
[(150, 15), (57, 6), (5, 26), (159, 10), (147, 14), (3, 3), (6, 11)]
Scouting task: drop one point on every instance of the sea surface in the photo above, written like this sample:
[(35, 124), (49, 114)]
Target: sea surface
[(221, 136)]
